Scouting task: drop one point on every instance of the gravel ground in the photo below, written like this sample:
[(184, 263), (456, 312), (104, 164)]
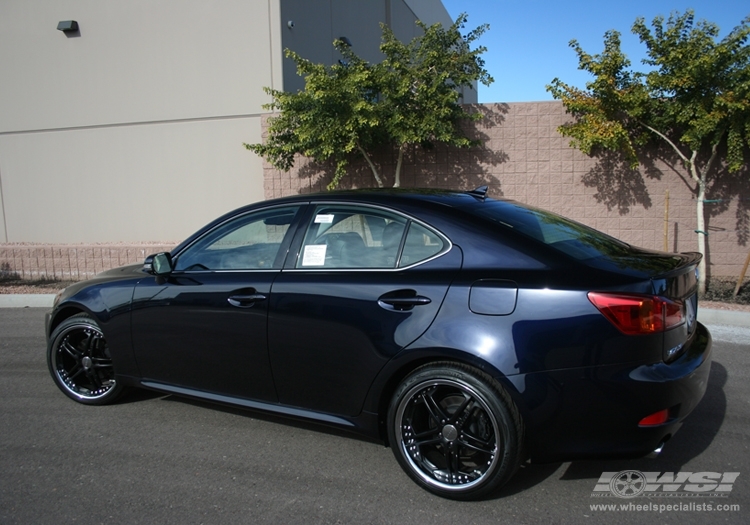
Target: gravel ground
[(17, 286)]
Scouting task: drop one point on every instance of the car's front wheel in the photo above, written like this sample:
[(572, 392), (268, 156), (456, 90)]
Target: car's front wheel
[(455, 431), (80, 363)]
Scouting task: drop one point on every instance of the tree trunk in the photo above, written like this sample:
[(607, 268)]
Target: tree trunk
[(702, 234), (397, 180), (374, 170), (700, 176)]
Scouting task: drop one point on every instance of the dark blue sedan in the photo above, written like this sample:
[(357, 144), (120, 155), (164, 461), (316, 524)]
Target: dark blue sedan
[(467, 333)]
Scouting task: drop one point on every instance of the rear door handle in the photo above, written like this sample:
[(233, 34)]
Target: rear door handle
[(246, 301), (402, 300)]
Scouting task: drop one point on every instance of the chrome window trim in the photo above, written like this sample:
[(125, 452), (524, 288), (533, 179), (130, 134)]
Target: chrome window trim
[(447, 248)]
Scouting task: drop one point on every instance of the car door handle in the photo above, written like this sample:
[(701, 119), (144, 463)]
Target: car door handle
[(402, 302), (246, 301)]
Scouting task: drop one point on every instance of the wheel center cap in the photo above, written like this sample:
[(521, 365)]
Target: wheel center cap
[(450, 433), (86, 362)]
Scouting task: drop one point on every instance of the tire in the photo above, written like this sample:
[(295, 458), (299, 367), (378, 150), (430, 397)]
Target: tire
[(80, 363), (455, 431)]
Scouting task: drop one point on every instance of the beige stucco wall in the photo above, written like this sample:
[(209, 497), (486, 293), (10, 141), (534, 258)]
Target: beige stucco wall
[(132, 128), (156, 182), (135, 61)]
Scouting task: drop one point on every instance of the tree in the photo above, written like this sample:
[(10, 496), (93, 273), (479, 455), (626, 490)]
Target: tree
[(352, 108), (694, 97)]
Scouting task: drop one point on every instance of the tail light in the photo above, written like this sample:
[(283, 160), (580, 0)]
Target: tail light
[(655, 419), (634, 314)]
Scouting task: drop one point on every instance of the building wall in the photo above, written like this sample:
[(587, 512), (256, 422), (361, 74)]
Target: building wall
[(309, 27), (526, 159), (132, 128)]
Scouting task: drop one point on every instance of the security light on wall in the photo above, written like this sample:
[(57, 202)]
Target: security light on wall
[(67, 26)]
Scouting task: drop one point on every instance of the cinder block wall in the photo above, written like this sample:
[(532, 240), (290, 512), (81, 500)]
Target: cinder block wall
[(524, 158), (71, 262)]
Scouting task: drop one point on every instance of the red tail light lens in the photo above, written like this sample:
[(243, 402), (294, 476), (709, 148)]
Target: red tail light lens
[(639, 314), (657, 418)]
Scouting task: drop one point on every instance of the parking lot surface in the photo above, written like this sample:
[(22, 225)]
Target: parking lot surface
[(161, 459)]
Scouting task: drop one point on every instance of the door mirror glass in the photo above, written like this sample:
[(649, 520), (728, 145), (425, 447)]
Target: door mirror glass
[(161, 264)]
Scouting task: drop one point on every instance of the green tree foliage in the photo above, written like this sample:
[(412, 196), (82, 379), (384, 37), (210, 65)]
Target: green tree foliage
[(694, 97), (351, 108)]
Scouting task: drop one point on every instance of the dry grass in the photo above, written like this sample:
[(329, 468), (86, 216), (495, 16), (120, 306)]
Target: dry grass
[(14, 285)]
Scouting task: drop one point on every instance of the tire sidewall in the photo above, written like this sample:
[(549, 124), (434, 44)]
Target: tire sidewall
[(493, 397), (83, 321)]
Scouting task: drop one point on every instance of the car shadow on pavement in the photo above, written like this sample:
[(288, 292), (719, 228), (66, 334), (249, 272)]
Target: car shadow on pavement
[(696, 434), (136, 395)]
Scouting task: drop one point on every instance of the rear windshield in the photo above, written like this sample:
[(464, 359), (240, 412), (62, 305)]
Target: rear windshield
[(567, 236)]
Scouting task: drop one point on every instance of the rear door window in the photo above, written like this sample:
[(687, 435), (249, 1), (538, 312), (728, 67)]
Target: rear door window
[(352, 237)]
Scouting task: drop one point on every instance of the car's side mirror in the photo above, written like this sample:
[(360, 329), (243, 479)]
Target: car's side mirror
[(161, 264)]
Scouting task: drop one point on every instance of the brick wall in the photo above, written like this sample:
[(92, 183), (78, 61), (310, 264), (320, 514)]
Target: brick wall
[(70, 262), (524, 158)]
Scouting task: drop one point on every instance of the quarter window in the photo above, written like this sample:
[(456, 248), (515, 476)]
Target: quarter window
[(420, 244)]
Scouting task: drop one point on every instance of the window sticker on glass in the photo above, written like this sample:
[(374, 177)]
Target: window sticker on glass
[(314, 255), (324, 218)]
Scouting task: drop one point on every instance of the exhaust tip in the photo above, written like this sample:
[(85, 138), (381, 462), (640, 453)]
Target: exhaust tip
[(657, 451)]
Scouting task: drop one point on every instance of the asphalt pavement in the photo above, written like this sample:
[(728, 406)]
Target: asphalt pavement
[(161, 459)]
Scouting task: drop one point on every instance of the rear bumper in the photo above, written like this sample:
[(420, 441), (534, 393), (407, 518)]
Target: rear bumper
[(594, 412)]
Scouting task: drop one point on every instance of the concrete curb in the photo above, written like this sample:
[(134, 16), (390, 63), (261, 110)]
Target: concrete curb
[(19, 300), (724, 317), (705, 315)]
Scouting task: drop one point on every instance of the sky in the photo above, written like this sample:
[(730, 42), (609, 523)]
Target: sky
[(527, 43)]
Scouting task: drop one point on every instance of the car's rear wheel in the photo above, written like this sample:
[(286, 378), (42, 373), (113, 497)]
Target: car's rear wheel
[(455, 431), (80, 363)]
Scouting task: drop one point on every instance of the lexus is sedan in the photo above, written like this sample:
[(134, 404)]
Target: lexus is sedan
[(467, 333)]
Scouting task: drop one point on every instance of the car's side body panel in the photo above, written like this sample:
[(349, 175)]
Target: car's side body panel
[(330, 333), (186, 333)]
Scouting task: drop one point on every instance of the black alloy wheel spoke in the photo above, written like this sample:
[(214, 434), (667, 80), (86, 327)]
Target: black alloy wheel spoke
[(460, 415), (430, 432), (101, 362), (434, 440), (474, 443), (90, 342), (75, 372), (450, 461), (94, 378), (71, 350), (434, 408)]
